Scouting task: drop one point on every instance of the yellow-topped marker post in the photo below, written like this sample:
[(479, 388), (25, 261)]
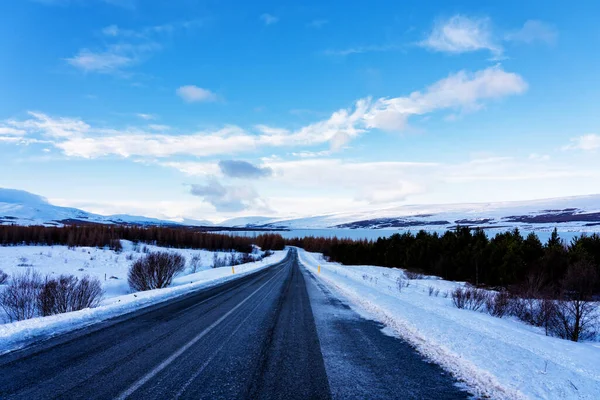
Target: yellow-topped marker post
[(319, 268), (232, 270)]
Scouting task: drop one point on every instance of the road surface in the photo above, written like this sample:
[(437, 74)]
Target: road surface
[(275, 334)]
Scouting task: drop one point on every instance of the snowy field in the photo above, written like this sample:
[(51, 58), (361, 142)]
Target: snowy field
[(111, 268), (501, 358), (108, 266)]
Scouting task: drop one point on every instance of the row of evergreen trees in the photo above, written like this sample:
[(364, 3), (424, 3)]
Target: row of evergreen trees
[(466, 255), (110, 236)]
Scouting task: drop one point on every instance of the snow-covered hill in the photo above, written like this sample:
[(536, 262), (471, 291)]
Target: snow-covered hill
[(577, 213), (24, 208), (580, 213)]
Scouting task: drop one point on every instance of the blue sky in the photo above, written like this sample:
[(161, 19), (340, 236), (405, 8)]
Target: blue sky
[(217, 109)]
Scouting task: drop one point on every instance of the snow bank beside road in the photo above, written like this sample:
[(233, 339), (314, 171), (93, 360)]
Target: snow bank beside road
[(499, 358), (21, 333)]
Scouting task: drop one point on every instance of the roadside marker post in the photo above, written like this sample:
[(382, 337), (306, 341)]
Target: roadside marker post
[(319, 268), (232, 270)]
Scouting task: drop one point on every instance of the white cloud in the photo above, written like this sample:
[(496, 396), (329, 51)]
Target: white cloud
[(539, 157), (589, 142), (150, 31), (318, 186), (362, 183), (461, 34), (192, 93), (10, 139), (269, 19), (112, 30), (8, 131), (159, 127), (103, 62), (228, 198), (10, 134), (461, 91), (343, 125), (508, 169), (147, 117), (128, 144), (363, 49), (365, 182), (388, 182), (52, 127), (194, 168), (312, 154), (129, 47), (534, 31)]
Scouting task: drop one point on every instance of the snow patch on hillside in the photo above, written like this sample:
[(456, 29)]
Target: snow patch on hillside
[(24, 208), (499, 215)]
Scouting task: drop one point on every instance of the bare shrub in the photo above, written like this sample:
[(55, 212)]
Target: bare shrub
[(430, 290), (115, 245), (68, 293), (574, 320), (245, 258), (3, 277), (218, 262), (576, 313), (54, 296), (401, 283), (413, 275), (459, 298), (88, 294), (436, 293), (498, 304), (19, 298), (233, 260), (195, 263), (155, 270), (534, 311), (469, 298)]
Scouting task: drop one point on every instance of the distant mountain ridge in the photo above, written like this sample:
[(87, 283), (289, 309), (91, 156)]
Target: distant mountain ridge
[(580, 213), (576, 213), (24, 208)]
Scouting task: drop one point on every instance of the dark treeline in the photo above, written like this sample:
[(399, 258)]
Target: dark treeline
[(110, 236), (465, 255)]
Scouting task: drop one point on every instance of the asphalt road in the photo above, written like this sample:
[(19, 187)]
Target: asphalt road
[(253, 338)]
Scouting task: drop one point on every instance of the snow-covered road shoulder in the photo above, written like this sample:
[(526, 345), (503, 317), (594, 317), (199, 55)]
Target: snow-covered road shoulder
[(494, 357), (19, 334)]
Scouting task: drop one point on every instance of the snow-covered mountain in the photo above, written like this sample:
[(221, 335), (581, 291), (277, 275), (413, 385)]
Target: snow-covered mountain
[(242, 222), (24, 208), (578, 213)]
